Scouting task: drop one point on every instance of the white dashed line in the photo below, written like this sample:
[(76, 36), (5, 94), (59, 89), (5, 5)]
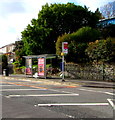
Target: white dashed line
[(97, 91), (42, 95), (109, 93), (72, 104)]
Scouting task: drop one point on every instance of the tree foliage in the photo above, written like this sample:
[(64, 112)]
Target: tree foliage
[(54, 20), (4, 61), (34, 39), (19, 53), (108, 10)]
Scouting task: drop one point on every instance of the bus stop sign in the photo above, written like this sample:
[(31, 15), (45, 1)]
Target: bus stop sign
[(65, 47)]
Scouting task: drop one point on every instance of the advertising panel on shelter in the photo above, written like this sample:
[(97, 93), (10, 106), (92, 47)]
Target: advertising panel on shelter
[(41, 66), (28, 66)]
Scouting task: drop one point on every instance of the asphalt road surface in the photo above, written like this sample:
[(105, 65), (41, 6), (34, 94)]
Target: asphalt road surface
[(36, 99)]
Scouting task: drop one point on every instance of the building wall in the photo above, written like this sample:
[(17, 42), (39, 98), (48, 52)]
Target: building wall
[(8, 50)]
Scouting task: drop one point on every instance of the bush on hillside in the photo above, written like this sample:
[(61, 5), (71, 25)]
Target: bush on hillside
[(77, 43), (102, 50)]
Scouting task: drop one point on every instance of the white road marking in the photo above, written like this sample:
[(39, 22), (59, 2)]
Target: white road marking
[(97, 91), (72, 104), (25, 80), (62, 91), (111, 103), (42, 95), (30, 81), (20, 89), (109, 93), (70, 116)]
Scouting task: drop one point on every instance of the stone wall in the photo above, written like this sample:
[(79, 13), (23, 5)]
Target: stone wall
[(103, 72)]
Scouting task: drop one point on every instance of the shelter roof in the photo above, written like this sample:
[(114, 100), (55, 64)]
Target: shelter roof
[(41, 56)]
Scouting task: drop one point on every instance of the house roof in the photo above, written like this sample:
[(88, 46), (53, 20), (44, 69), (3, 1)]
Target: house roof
[(7, 45)]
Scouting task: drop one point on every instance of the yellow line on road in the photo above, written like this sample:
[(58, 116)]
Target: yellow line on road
[(25, 85)]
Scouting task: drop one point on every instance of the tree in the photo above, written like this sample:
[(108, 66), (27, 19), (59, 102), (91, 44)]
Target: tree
[(99, 14), (54, 20), (19, 52), (3, 62), (34, 39), (108, 10)]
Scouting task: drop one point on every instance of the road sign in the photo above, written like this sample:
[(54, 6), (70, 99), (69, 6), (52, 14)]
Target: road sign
[(65, 47)]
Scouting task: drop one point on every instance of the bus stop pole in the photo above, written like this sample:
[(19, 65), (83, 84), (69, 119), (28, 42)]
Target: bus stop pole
[(45, 68), (63, 68)]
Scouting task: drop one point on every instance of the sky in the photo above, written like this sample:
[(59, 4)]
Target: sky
[(15, 15)]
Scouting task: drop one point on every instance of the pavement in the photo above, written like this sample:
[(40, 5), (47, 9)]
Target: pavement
[(67, 81), (27, 112)]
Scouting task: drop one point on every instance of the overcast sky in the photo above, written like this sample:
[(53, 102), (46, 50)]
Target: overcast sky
[(15, 15)]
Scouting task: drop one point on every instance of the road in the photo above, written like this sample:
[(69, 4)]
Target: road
[(37, 99)]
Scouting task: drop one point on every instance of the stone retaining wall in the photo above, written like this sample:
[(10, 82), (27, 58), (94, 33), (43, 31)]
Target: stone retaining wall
[(103, 72)]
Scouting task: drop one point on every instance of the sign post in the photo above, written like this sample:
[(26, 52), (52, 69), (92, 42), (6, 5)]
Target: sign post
[(65, 47), (64, 51)]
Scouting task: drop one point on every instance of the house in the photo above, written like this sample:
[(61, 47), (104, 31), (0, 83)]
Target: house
[(106, 22), (8, 50)]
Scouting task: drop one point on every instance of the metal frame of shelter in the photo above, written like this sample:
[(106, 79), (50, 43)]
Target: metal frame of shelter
[(41, 64)]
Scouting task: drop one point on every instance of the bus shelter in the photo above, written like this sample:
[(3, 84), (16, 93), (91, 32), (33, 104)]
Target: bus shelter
[(41, 64)]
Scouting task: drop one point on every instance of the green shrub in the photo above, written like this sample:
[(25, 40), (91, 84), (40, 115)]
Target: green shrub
[(63, 38), (86, 35), (102, 50), (77, 43)]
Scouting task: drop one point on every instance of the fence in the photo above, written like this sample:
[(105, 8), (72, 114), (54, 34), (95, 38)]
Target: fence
[(103, 72)]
